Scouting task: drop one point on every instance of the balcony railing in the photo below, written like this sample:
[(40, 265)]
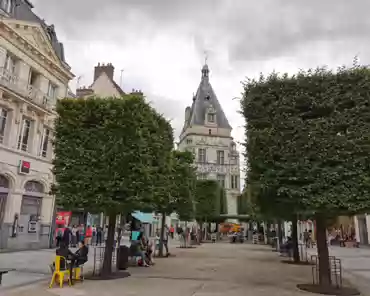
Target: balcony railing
[(24, 89)]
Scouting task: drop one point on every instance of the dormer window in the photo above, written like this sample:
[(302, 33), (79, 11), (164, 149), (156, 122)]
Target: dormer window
[(211, 117)]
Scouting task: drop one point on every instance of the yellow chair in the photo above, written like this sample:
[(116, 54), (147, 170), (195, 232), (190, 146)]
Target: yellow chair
[(60, 272), (78, 273)]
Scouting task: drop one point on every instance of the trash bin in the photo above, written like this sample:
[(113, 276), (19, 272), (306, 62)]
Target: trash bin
[(122, 257)]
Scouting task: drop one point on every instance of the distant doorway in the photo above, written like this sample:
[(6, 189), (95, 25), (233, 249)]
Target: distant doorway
[(362, 227)]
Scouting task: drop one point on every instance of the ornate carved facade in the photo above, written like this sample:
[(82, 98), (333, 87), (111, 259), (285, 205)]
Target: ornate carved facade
[(33, 76)]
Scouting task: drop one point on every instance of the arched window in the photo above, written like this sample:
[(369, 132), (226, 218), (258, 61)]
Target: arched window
[(4, 183), (32, 198), (4, 191)]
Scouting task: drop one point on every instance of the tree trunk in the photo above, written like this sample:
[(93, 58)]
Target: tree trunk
[(119, 237), (200, 232), (186, 234), (322, 251), (162, 234), (280, 232), (296, 256), (107, 263)]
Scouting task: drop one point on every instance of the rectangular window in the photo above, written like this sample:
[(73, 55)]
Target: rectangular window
[(234, 182), (203, 176), (31, 205), (10, 64), (221, 180), (211, 117), (189, 141), (52, 91), (202, 155), (44, 142), (6, 5), (33, 78), (233, 160), (3, 117), (24, 134), (220, 157)]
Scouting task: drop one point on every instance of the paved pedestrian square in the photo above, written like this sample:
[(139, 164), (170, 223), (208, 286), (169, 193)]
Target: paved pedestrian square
[(210, 269)]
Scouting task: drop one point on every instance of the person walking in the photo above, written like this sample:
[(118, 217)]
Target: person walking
[(99, 235), (165, 239), (172, 231), (74, 236), (67, 236)]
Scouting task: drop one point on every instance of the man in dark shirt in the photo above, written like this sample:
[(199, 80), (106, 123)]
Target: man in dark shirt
[(64, 252)]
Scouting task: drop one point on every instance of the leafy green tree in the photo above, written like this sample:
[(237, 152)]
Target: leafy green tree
[(207, 201), (106, 157), (184, 185), (307, 145)]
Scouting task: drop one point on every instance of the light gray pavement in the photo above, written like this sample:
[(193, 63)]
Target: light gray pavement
[(355, 264), (208, 270), (33, 265)]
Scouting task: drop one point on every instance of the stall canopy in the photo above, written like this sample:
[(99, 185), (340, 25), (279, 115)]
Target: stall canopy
[(143, 217)]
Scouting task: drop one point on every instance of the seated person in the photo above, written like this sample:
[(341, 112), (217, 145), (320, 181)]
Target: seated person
[(138, 249), (79, 257), (64, 252), (287, 246)]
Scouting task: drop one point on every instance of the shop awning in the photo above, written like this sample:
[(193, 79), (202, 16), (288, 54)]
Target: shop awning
[(143, 217)]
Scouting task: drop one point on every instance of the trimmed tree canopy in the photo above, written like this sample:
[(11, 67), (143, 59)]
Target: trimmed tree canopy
[(307, 143), (207, 200), (107, 152), (183, 185)]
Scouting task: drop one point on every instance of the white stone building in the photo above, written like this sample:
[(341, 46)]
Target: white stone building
[(207, 133), (33, 75)]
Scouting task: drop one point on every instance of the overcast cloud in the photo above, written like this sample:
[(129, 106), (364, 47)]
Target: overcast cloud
[(160, 44)]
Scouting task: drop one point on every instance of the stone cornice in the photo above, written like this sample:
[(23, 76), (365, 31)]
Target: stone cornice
[(184, 135), (34, 53)]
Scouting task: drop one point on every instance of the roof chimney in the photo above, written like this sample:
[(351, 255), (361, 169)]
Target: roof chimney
[(107, 69)]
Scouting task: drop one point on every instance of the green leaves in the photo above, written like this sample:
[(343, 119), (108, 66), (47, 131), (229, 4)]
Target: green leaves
[(308, 140), (108, 151), (207, 200), (184, 181)]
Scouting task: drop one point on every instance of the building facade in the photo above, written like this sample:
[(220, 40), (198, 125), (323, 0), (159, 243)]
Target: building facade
[(103, 84), (207, 133), (33, 75)]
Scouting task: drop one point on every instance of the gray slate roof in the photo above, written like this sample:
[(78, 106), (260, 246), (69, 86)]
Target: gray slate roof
[(22, 10), (203, 99)]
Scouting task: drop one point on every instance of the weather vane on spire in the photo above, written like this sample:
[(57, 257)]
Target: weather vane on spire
[(205, 57)]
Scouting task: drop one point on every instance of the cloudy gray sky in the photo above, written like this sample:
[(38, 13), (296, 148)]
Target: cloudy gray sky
[(160, 44)]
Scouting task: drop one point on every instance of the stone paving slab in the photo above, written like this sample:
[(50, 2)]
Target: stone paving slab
[(33, 265), (211, 269), (355, 264)]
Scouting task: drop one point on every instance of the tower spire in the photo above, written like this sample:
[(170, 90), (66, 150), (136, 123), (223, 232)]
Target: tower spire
[(205, 69)]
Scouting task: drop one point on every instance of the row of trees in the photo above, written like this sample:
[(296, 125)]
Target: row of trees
[(308, 149), (115, 155)]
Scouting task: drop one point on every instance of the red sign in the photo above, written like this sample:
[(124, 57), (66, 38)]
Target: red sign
[(24, 167), (62, 221), (63, 218)]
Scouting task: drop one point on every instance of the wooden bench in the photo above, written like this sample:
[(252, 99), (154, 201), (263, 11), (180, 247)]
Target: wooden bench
[(4, 271)]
